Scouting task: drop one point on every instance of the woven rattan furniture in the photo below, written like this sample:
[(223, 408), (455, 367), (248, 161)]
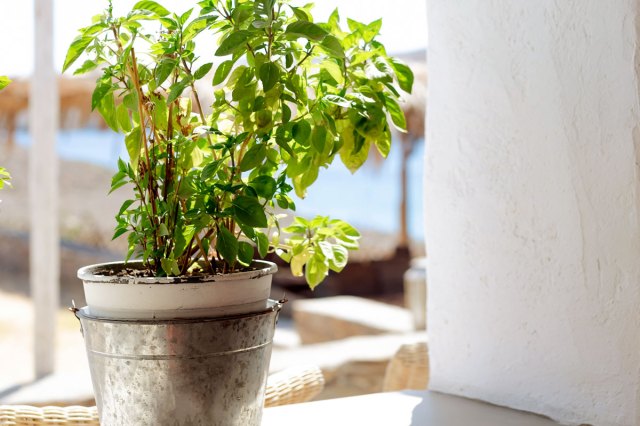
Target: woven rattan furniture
[(296, 384), (25, 415), (293, 385), (408, 369)]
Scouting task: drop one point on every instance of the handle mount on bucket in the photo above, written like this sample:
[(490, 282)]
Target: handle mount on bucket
[(75, 310)]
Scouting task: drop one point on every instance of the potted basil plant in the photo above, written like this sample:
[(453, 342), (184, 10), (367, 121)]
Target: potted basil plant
[(218, 141)]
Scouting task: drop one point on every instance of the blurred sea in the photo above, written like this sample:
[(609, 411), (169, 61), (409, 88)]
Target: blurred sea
[(369, 199)]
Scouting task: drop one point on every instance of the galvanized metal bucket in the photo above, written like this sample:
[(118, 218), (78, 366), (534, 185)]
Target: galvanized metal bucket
[(183, 372)]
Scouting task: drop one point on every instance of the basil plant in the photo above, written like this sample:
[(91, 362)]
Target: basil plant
[(219, 140)]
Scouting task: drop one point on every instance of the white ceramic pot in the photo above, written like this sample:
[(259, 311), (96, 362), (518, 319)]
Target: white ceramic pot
[(111, 296)]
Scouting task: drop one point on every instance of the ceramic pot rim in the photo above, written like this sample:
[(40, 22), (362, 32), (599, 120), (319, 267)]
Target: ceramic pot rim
[(94, 274)]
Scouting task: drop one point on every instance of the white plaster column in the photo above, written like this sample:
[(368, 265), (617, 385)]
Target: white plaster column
[(43, 191), (532, 206)]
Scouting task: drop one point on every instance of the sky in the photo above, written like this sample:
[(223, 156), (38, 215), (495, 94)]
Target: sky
[(404, 27)]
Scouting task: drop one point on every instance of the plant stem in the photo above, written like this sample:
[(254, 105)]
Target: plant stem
[(205, 255)]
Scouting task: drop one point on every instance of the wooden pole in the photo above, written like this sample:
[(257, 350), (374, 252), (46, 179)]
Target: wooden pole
[(44, 259)]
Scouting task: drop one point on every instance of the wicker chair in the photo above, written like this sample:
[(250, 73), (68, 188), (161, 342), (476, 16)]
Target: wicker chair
[(408, 369), (294, 385)]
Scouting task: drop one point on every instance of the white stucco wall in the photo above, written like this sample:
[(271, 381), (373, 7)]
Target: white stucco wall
[(532, 195)]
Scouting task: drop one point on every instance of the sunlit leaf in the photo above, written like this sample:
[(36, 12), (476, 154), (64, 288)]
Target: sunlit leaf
[(151, 6), (76, 49), (315, 271), (397, 115), (403, 74)]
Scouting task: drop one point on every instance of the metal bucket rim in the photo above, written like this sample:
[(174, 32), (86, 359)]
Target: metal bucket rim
[(273, 306)]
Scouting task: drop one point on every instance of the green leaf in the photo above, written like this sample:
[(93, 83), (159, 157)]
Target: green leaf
[(176, 90), (383, 143), (337, 100), (346, 229), (245, 253), (351, 158), (301, 132), (222, 71), (282, 201), (210, 170), (93, 29), (326, 249), (334, 20), (284, 255), (185, 16), (307, 30), (334, 71), (355, 26), (253, 157), (269, 75), (265, 186), (122, 115), (170, 267), (118, 232), (160, 112), (133, 142), (263, 118), (318, 138), (4, 82), (151, 6), (307, 179), (249, 212), (227, 245), (202, 71), (247, 231), (182, 237), (232, 42), (301, 14), (282, 143), (298, 261), (333, 46), (340, 258), (164, 70), (124, 207), (87, 66), (75, 50), (263, 244), (370, 31), (163, 231), (397, 115), (286, 113), (259, 23), (315, 271), (103, 87), (403, 74), (168, 23), (107, 109), (196, 26), (119, 179)]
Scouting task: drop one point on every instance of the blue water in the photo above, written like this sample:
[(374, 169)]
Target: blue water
[(369, 199)]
